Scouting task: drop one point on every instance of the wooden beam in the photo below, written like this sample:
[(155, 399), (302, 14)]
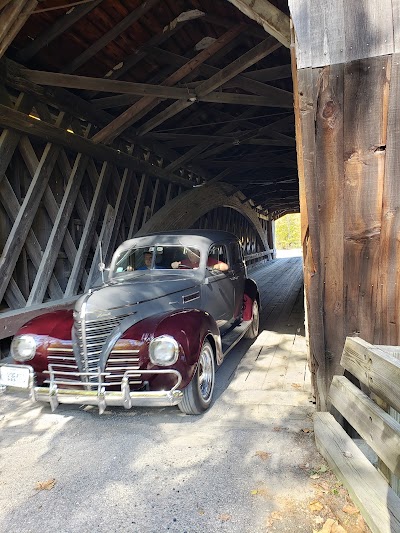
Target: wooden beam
[(141, 108), (270, 74), (9, 31), (379, 430), (140, 53), (277, 97), (88, 232), (56, 29), (116, 30), (104, 241), (32, 245), (56, 237), (242, 63), (274, 21), (379, 505), (9, 138), (139, 204), (72, 81), (198, 149), (18, 121), (26, 214)]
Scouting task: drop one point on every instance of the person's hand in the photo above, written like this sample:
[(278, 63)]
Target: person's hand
[(175, 264)]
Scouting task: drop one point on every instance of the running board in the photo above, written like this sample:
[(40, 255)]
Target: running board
[(231, 338)]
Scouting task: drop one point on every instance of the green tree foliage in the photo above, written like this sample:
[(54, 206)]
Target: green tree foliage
[(287, 232)]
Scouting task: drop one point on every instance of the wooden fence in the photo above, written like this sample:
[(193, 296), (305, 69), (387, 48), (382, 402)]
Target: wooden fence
[(377, 368)]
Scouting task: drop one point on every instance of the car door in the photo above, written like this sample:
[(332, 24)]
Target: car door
[(237, 275), (219, 289)]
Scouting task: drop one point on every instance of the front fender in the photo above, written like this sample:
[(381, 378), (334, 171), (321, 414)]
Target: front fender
[(189, 327)]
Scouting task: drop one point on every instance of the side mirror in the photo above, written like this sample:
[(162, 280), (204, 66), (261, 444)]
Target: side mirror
[(102, 267)]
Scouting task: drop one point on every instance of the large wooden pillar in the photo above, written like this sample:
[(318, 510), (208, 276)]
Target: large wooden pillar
[(347, 55)]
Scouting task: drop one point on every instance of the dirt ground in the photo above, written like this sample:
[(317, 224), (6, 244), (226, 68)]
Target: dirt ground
[(329, 510)]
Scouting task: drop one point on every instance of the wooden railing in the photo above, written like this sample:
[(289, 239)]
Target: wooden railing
[(258, 257), (378, 370)]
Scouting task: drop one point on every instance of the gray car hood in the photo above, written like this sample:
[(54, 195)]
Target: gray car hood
[(122, 293)]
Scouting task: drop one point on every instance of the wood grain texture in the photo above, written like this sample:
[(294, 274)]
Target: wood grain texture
[(374, 367), (313, 277), (387, 326), (365, 129), (379, 430), (328, 199), (379, 505), (341, 32)]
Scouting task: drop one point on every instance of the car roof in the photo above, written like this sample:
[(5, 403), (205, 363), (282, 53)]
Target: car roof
[(187, 237)]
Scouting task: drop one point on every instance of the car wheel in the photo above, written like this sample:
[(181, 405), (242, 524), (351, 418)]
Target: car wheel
[(197, 395), (252, 332)]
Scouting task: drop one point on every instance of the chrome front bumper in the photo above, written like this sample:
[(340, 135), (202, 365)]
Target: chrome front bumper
[(97, 393)]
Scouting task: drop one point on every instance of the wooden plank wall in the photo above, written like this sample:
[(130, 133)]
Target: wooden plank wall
[(347, 113), (56, 203)]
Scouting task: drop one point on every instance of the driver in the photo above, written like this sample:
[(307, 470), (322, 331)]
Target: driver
[(192, 260)]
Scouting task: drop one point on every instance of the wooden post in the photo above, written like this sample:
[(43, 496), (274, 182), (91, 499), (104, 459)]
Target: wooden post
[(345, 71)]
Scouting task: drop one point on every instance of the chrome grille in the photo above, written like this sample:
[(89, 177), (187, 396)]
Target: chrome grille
[(66, 373), (118, 363), (94, 337)]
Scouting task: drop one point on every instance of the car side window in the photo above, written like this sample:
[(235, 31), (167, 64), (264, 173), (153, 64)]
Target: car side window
[(217, 252)]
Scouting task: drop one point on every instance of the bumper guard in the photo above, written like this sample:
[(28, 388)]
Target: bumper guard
[(96, 393)]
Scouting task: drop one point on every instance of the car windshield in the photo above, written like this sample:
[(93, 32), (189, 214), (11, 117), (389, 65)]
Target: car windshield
[(156, 258)]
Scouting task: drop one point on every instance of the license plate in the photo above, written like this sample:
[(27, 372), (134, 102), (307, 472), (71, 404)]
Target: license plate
[(12, 376)]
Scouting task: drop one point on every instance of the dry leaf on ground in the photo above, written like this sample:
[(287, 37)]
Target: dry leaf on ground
[(224, 517), (331, 526), (45, 485), (315, 506), (263, 455)]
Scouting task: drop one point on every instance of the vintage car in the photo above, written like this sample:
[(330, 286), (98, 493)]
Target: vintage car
[(151, 334)]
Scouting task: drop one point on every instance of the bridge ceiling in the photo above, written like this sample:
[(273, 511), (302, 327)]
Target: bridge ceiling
[(195, 82)]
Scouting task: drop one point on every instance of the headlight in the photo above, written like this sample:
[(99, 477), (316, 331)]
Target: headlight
[(23, 348), (163, 350)]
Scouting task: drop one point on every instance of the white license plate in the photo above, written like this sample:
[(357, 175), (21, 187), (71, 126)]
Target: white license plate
[(12, 376)]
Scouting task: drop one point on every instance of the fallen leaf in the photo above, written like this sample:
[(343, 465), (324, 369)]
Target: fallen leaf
[(263, 455), (322, 469), (331, 526), (350, 509), (224, 517), (296, 385), (315, 506), (306, 430), (315, 476), (254, 492), (45, 485)]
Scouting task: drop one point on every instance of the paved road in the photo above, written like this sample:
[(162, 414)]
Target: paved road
[(241, 467)]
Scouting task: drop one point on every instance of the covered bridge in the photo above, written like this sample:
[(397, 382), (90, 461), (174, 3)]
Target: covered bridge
[(120, 117)]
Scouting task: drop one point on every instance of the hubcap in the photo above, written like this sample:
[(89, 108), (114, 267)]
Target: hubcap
[(206, 372)]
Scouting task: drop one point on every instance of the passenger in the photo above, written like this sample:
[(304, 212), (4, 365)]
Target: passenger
[(148, 256), (192, 260)]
